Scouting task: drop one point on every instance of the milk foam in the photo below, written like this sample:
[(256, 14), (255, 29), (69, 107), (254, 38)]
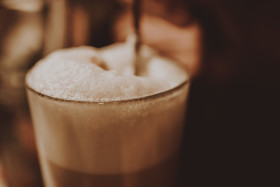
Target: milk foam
[(100, 75)]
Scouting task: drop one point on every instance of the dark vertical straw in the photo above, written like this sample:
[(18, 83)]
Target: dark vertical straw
[(136, 8)]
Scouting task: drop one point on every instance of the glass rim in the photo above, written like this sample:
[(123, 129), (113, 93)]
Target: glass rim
[(148, 97)]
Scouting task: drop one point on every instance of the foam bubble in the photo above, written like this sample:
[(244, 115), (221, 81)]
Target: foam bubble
[(100, 75)]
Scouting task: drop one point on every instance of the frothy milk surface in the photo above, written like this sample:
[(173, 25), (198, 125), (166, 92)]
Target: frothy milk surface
[(99, 75)]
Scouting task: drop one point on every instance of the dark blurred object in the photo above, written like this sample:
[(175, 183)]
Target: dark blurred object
[(91, 22), (21, 45), (231, 137)]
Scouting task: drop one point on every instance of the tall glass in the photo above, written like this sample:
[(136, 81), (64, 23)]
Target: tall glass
[(126, 143)]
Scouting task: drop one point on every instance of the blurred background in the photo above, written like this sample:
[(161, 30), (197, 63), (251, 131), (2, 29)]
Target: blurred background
[(231, 49)]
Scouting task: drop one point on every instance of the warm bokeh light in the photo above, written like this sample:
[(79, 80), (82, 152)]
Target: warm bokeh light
[(24, 5)]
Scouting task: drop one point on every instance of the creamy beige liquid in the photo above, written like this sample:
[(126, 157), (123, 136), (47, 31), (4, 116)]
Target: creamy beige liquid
[(161, 175), (115, 130)]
